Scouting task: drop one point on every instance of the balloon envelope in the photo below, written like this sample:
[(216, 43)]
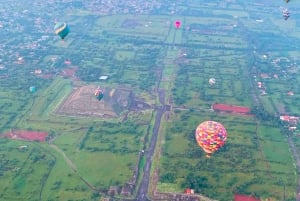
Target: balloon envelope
[(212, 81), (210, 136), (62, 29), (99, 94), (177, 24), (32, 89)]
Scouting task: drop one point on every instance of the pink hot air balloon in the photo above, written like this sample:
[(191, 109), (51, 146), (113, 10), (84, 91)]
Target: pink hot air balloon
[(177, 24)]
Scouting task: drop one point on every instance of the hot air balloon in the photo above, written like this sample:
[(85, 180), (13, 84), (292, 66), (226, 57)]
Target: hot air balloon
[(62, 29), (32, 89), (285, 14), (177, 24), (212, 81), (210, 136), (99, 93)]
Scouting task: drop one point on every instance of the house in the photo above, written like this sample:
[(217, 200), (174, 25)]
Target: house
[(189, 191), (113, 190), (264, 75), (290, 119), (38, 71), (292, 128), (259, 84), (103, 77)]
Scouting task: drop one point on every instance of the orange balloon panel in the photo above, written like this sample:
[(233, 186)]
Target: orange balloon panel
[(210, 136)]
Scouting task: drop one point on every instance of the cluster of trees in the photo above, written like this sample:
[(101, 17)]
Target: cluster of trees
[(196, 182), (89, 74), (263, 115), (192, 180), (180, 91)]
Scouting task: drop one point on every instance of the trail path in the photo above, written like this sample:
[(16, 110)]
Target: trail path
[(68, 161), (73, 166)]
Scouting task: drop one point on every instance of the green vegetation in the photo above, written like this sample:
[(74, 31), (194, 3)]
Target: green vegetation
[(165, 69), (254, 159)]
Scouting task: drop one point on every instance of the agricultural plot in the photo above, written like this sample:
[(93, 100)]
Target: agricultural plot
[(249, 162), (25, 168), (200, 65), (254, 147), (94, 139), (152, 68), (77, 134), (279, 83)]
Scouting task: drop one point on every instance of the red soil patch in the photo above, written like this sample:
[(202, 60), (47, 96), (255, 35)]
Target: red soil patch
[(238, 197), (69, 72), (27, 135), (231, 108)]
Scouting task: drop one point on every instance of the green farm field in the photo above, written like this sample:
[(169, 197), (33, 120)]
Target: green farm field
[(79, 140), (252, 159), (158, 90)]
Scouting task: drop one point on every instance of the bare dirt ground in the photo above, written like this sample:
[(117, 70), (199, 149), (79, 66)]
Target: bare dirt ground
[(27, 135), (82, 102)]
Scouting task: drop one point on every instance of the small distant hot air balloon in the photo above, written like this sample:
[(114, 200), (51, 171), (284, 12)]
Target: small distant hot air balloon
[(212, 81), (99, 93), (62, 29), (210, 136), (177, 24), (32, 89), (285, 14)]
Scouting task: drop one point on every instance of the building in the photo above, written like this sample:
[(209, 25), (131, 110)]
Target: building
[(289, 118), (103, 77)]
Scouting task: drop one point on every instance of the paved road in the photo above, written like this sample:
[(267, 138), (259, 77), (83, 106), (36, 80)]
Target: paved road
[(143, 188), (297, 161)]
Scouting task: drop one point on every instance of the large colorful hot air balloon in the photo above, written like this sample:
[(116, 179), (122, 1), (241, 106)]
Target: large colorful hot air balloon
[(99, 93), (177, 24), (62, 29), (210, 136)]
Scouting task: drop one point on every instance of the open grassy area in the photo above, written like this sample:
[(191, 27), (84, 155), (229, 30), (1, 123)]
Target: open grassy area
[(25, 167), (250, 162), (237, 43)]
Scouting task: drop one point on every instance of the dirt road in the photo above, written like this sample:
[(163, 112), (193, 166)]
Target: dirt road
[(68, 161), (73, 166)]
